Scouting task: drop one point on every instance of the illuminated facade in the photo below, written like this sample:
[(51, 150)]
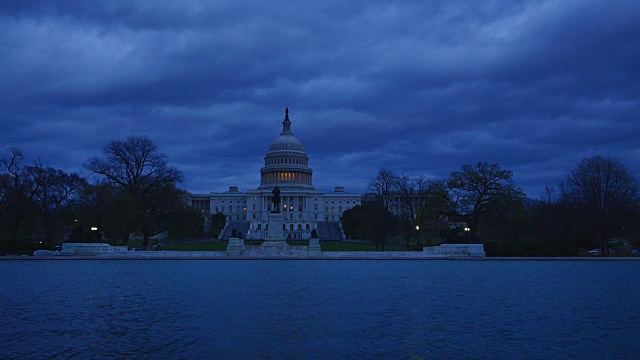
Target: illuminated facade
[(304, 208)]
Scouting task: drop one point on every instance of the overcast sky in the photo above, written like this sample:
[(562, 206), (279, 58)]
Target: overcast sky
[(419, 87)]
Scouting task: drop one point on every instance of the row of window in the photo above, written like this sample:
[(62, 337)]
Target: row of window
[(231, 201), (244, 217), (286, 176), (286, 161), (283, 176), (284, 227), (221, 209), (285, 207)]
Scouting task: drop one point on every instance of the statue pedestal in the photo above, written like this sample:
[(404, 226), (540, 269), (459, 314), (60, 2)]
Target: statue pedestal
[(314, 247), (235, 247), (275, 237)]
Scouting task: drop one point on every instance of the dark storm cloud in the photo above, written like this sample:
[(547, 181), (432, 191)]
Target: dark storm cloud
[(418, 88)]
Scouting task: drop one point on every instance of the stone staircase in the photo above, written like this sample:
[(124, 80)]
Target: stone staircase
[(240, 226), (329, 230)]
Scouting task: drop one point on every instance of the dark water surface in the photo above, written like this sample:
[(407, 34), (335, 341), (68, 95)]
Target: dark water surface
[(320, 309)]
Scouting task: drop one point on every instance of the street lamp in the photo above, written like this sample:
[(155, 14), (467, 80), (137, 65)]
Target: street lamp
[(468, 231), (417, 234)]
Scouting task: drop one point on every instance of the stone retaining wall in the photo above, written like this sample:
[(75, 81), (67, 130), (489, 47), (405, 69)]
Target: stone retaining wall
[(456, 250)]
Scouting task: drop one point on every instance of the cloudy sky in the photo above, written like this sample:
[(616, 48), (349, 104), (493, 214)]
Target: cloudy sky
[(419, 87)]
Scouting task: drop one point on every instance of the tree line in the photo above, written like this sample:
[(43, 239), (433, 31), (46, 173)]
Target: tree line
[(596, 203), (131, 190)]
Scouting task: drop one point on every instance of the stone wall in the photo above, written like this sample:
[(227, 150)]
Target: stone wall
[(90, 249), (456, 250)]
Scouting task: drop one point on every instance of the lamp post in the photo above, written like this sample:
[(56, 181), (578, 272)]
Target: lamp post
[(468, 231), (417, 234), (94, 230)]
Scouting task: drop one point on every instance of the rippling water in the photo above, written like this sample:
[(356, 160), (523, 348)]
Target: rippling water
[(319, 309)]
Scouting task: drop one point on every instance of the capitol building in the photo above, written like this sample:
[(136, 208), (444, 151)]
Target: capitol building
[(304, 208)]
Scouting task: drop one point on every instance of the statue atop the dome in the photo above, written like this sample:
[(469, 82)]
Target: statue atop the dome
[(276, 199), (286, 123)]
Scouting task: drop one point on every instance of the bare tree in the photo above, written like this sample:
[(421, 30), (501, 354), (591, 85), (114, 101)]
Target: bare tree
[(383, 187), (411, 194), (433, 210), (97, 206), (471, 191), (135, 167), (16, 194), (607, 191), (547, 194), (34, 195), (53, 192), (406, 194)]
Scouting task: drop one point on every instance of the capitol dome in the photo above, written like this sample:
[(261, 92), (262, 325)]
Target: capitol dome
[(286, 163), (286, 142)]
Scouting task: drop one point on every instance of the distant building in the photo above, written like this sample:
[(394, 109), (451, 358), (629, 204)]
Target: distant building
[(303, 208)]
